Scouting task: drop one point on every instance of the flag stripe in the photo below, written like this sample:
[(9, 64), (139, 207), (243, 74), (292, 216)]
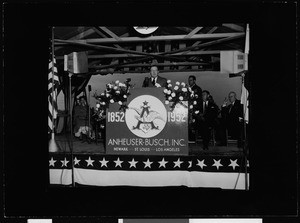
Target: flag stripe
[(151, 178), (53, 84)]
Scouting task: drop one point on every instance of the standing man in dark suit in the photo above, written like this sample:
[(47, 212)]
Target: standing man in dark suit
[(192, 83), (154, 80), (197, 91), (207, 117), (232, 115)]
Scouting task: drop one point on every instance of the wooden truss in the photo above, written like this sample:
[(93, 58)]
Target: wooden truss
[(193, 51)]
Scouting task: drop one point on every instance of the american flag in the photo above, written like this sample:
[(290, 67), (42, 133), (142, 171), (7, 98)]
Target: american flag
[(53, 83)]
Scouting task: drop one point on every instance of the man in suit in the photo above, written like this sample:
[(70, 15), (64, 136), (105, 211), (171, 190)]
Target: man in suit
[(154, 80), (198, 94), (192, 83), (207, 117), (232, 115)]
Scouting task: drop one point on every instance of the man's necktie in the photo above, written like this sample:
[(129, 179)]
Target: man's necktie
[(230, 107), (153, 81)]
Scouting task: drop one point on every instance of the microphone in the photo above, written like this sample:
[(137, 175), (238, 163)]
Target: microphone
[(239, 74), (89, 87)]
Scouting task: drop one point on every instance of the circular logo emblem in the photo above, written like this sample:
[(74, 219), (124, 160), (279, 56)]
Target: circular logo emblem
[(146, 116)]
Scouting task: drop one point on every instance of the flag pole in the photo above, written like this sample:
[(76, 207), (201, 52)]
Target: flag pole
[(244, 112), (245, 140), (52, 144)]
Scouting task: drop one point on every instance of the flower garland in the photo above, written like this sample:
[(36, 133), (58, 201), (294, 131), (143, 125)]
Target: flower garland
[(116, 92)]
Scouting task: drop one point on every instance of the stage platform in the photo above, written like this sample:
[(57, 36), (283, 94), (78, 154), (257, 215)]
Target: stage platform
[(219, 167), (80, 147)]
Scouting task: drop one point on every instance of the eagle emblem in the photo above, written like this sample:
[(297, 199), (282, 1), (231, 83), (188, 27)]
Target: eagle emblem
[(146, 117)]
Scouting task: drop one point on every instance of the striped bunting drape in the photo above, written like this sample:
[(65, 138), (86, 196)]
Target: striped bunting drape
[(52, 94)]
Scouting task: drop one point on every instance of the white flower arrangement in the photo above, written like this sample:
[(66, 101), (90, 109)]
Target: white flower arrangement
[(115, 92), (196, 112), (168, 81), (195, 102), (177, 93)]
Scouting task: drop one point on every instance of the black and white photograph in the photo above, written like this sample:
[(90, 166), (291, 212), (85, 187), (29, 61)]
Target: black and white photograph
[(149, 106)]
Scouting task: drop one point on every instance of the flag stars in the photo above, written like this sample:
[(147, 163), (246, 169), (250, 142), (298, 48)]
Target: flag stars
[(64, 162), (52, 162), (89, 161), (201, 163), (233, 164), (162, 163), (217, 163), (178, 163), (76, 161), (103, 162), (132, 163), (190, 164), (118, 162), (147, 164)]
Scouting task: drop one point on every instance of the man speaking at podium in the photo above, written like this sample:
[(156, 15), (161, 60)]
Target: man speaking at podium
[(154, 80)]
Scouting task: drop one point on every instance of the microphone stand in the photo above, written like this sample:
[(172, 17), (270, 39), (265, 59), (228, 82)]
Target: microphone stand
[(89, 115), (71, 126)]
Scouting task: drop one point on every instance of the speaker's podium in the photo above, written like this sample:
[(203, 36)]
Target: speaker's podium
[(148, 126)]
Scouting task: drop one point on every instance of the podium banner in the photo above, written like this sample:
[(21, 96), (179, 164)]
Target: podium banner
[(148, 126)]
